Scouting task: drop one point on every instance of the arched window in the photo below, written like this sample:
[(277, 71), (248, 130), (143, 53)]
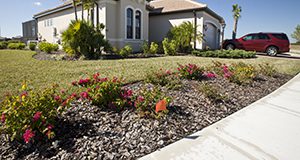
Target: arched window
[(138, 24), (129, 25)]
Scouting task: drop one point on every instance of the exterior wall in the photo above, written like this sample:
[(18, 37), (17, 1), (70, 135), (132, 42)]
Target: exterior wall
[(60, 21), (29, 30), (116, 16), (161, 24), (210, 21)]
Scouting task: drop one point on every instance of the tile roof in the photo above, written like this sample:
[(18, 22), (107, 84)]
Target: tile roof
[(165, 6)]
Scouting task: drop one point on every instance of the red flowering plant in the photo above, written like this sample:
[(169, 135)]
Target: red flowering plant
[(32, 113), (190, 71), (104, 92), (151, 102)]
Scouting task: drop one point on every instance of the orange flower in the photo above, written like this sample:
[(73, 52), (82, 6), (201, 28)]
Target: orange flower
[(161, 106)]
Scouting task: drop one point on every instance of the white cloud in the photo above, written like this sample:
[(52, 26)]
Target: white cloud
[(37, 3)]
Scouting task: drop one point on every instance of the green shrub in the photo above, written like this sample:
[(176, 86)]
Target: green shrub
[(32, 114), (32, 46), (164, 78), (153, 48), (82, 38), (240, 73), (169, 47), (19, 46), (146, 102), (104, 92), (213, 93), (225, 54), (3, 45), (48, 47), (191, 71), (145, 48), (126, 51), (268, 69)]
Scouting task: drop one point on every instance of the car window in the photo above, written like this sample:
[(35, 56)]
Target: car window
[(263, 36), (248, 37), (280, 36)]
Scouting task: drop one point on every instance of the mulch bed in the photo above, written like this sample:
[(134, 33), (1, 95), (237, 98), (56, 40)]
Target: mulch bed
[(87, 132)]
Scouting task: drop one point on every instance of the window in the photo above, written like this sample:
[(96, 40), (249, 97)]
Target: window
[(129, 25), (280, 36), (138, 24), (263, 36), (248, 37), (48, 23)]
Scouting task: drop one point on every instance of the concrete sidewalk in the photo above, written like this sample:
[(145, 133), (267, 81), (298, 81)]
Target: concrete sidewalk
[(268, 129)]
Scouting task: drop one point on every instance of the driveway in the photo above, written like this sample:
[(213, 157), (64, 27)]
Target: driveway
[(283, 55)]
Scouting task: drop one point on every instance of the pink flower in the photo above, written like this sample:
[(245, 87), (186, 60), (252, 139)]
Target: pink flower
[(28, 135), (103, 79), (140, 98), (210, 75), (227, 74), (84, 81), (3, 118), (127, 93), (37, 116), (84, 95), (74, 83), (168, 72), (50, 127), (57, 98), (74, 95), (225, 68), (96, 76)]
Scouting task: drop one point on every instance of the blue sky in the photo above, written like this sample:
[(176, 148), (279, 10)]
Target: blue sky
[(257, 15)]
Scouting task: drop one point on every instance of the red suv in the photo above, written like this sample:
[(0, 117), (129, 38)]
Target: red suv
[(271, 43)]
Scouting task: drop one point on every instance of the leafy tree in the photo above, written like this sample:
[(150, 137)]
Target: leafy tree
[(296, 34), (236, 10), (183, 35), (74, 2), (82, 38)]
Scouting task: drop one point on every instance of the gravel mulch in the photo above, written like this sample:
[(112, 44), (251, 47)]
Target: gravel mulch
[(87, 132)]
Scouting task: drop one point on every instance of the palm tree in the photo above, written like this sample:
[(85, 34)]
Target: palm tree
[(236, 10), (74, 2)]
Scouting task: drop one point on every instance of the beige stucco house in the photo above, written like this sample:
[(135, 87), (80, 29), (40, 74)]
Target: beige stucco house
[(135, 21)]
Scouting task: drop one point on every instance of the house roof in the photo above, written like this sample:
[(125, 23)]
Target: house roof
[(165, 6), (177, 6), (63, 6)]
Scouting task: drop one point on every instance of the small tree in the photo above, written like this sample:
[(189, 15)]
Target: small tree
[(236, 10), (82, 38), (296, 34), (183, 35)]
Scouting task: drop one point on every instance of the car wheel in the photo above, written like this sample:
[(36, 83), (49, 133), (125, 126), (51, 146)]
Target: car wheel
[(230, 47), (272, 51)]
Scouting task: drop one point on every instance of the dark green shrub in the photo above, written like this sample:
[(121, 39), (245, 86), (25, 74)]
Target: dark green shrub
[(14, 41), (3, 45), (82, 38), (32, 46), (126, 51), (225, 54), (169, 47), (55, 47), (19, 46)]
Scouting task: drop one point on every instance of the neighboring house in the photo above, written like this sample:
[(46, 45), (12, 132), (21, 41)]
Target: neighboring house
[(170, 13), (127, 21), (30, 30)]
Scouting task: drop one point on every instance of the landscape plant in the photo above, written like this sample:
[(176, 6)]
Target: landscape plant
[(296, 34), (32, 113), (3, 45), (153, 48), (190, 71), (82, 38), (47, 47), (18, 46), (125, 51), (169, 47), (235, 54), (32, 46)]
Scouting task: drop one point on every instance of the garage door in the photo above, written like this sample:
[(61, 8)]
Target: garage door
[(211, 36)]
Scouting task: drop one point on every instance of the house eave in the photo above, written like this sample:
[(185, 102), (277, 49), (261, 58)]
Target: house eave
[(205, 9)]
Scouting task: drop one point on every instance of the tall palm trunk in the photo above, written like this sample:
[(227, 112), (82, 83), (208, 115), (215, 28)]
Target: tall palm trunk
[(234, 29), (97, 13), (82, 10), (75, 9), (92, 14)]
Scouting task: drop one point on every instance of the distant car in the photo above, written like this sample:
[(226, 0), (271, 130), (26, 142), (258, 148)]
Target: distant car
[(270, 43)]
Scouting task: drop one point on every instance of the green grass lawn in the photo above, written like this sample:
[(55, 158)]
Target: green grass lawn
[(17, 66)]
